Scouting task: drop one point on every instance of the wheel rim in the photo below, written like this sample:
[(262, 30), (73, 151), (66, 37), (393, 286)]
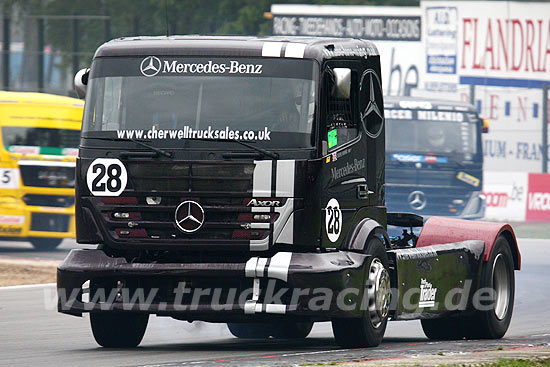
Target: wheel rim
[(501, 285), (379, 293)]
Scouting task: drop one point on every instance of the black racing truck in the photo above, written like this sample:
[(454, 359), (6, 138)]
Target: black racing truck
[(240, 180), (434, 162)]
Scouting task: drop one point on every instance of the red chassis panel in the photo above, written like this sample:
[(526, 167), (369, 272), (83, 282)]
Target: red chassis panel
[(438, 230)]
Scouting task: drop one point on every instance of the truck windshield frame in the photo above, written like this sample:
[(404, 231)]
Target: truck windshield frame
[(454, 135), (56, 141), (192, 100)]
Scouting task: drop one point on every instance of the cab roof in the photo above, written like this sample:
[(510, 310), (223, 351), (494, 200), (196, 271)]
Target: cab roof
[(39, 99), (234, 46), (422, 103)]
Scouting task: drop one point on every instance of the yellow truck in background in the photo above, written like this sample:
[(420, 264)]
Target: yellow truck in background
[(40, 136)]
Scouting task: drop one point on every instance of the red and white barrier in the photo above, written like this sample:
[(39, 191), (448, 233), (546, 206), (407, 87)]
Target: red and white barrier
[(517, 196)]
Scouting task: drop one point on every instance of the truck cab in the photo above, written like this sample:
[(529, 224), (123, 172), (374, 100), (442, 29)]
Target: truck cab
[(39, 134), (256, 137), (241, 180), (434, 161)]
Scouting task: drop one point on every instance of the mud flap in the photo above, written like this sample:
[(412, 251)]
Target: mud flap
[(437, 279)]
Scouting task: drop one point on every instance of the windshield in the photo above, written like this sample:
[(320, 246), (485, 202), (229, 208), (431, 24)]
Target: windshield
[(37, 140), (438, 132), (175, 102)]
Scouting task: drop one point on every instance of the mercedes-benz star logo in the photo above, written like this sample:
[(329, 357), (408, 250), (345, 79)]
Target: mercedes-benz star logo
[(417, 200), (189, 216), (150, 66), (372, 117)]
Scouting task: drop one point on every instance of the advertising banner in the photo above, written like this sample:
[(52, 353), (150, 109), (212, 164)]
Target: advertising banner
[(538, 198), (506, 195), (395, 30), (500, 47), (503, 48)]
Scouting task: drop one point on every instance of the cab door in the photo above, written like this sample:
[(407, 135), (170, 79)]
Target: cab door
[(344, 162)]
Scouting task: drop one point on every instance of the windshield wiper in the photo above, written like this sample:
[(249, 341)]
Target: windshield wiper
[(138, 142), (263, 151)]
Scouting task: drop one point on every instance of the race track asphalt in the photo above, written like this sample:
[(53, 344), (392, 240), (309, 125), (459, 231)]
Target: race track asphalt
[(17, 249), (32, 333)]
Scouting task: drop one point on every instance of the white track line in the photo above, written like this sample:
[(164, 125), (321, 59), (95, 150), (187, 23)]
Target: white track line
[(27, 286)]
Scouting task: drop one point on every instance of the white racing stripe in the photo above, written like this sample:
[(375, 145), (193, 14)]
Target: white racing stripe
[(279, 309), (272, 49), (250, 267), (260, 266), (249, 307), (287, 233), (285, 178), (284, 188), (261, 181), (278, 267), (295, 50)]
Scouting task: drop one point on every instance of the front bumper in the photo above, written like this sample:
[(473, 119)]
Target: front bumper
[(315, 285), (22, 221)]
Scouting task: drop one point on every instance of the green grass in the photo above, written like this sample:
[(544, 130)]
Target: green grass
[(538, 362)]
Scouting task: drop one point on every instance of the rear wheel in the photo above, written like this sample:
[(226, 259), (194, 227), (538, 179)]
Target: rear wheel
[(369, 330), (498, 275), (43, 243), (492, 322), (118, 329)]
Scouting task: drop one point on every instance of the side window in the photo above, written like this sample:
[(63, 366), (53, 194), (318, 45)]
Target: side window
[(341, 124)]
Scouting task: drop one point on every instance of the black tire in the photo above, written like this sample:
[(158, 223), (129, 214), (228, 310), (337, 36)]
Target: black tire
[(292, 330), (118, 329), (360, 332), (44, 243), (487, 324), (255, 330), (480, 324)]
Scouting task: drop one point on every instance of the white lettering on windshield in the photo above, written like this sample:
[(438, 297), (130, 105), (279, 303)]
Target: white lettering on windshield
[(233, 67)]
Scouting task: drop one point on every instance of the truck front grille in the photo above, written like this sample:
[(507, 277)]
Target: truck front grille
[(57, 201), (447, 201), (226, 219), (47, 176), (146, 214), (49, 222)]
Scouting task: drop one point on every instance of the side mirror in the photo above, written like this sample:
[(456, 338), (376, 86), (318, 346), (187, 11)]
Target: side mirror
[(80, 82), (342, 83)]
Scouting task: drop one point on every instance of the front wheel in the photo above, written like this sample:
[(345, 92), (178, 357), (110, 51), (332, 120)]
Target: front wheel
[(118, 329), (369, 330)]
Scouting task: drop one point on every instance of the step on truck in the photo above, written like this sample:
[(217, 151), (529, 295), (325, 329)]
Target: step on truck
[(240, 180)]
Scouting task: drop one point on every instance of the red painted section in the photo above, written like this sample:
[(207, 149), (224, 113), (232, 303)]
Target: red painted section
[(438, 230), (538, 198)]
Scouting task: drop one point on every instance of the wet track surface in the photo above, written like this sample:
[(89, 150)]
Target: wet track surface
[(25, 250), (32, 333)]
